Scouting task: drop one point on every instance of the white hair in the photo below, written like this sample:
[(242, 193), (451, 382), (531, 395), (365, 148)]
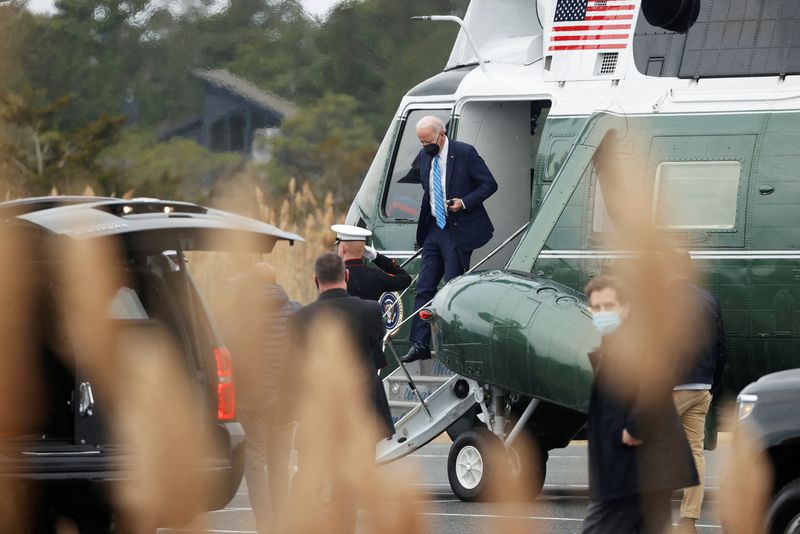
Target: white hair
[(429, 122)]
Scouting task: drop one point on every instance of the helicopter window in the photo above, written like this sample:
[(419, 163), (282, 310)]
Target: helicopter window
[(404, 189), (370, 191), (602, 221), (608, 176), (697, 194)]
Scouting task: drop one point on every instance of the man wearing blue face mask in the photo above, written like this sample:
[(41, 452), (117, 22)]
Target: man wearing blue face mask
[(638, 452)]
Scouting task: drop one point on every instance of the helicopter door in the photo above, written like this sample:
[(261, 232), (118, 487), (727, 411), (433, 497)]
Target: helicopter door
[(395, 231), (507, 135), (403, 192)]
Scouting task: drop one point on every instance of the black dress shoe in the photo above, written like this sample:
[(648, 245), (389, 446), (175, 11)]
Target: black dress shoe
[(418, 351)]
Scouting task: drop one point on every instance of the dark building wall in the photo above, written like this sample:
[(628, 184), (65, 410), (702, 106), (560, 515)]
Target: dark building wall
[(229, 120), (190, 129)]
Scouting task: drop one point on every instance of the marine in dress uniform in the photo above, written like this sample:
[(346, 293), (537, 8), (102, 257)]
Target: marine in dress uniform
[(363, 281)]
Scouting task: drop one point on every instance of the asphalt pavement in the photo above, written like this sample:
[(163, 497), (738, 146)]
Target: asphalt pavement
[(560, 508)]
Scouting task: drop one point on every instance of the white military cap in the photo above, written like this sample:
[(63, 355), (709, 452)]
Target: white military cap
[(345, 232)]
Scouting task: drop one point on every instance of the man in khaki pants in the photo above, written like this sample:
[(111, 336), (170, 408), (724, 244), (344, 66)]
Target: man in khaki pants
[(705, 360)]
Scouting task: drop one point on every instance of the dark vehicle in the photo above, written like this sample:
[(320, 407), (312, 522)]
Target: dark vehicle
[(768, 409), (70, 455)]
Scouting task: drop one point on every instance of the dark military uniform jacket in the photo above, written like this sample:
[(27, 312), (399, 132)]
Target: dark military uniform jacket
[(370, 283)]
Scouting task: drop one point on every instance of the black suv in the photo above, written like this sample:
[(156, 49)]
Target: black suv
[(768, 408), (68, 456)]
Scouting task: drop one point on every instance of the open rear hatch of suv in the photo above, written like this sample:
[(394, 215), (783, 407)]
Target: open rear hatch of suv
[(71, 439)]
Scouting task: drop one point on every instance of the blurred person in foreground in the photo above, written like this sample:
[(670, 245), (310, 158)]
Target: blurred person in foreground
[(362, 323), (638, 453), (700, 376), (256, 333), (362, 280)]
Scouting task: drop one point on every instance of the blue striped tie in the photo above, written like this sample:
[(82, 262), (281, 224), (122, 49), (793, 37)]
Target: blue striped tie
[(438, 200)]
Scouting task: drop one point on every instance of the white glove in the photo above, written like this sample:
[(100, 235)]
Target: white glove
[(370, 253)]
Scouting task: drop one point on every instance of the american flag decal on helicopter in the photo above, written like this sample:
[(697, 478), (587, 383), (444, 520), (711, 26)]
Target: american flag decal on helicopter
[(592, 25)]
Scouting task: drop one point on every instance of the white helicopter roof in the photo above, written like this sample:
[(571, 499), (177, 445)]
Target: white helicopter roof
[(582, 60)]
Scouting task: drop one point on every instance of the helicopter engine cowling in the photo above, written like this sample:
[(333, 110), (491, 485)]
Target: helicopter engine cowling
[(673, 15), (524, 334)]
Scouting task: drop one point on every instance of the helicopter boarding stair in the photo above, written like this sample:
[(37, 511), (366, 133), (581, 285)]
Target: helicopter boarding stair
[(451, 397), (429, 400), (425, 397)]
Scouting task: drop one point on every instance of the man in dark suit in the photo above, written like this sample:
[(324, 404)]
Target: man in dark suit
[(362, 280), (364, 323), (452, 220)]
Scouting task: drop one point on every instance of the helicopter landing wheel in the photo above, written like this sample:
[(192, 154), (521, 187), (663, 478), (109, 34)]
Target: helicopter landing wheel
[(474, 465)]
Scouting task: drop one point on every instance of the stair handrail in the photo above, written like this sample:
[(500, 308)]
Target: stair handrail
[(489, 256), (387, 340)]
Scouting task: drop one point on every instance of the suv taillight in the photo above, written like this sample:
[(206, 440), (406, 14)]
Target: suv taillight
[(226, 392)]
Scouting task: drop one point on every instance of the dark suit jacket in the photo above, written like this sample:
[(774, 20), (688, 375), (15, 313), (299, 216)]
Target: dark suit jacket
[(364, 323), (709, 353), (469, 179)]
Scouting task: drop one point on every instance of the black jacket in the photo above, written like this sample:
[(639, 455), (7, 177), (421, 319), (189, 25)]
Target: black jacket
[(364, 322), (369, 283), (469, 179), (256, 335), (663, 462), (707, 361)]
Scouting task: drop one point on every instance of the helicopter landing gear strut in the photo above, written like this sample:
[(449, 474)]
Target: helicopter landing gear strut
[(482, 458)]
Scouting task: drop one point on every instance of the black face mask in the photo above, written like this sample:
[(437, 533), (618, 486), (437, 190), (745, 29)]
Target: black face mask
[(431, 149)]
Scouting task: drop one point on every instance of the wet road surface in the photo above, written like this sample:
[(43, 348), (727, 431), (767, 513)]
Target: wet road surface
[(559, 509)]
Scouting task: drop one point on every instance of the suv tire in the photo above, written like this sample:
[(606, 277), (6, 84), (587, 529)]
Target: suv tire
[(783, 516)]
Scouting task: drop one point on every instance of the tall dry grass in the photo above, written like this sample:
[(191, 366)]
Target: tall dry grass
[(336, 440), (21, 405), (163, 431), (142, 391), (300, 211)]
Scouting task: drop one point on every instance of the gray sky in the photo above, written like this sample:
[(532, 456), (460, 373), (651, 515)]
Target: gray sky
[(315, 7)]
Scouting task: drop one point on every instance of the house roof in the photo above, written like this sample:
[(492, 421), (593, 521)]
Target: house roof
[(225, 80)]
